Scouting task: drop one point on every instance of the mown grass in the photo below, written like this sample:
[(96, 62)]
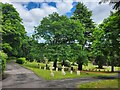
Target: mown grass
[(58, 74), (101, 84)]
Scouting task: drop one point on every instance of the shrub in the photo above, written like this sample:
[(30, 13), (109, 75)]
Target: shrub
[(3, 58), (21, 60)]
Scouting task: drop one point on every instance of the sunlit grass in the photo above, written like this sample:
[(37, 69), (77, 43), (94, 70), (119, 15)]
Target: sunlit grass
[(58, 74), (100, 84)]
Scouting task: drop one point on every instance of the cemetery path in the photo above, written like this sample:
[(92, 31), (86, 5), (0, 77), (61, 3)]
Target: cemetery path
[(19, 77)]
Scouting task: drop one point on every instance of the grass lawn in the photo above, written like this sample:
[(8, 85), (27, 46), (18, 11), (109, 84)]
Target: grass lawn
[(100, 84), (58, 74)]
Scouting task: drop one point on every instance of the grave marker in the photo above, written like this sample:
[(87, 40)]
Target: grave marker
[(44, 68), (56, 69), (71, 72), (51, 71), (63, 72), (78, 72)]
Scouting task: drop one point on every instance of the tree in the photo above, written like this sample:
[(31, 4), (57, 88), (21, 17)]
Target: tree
[(60, 34), (13, 31), (98, 47), (111, 40), (84, 16)]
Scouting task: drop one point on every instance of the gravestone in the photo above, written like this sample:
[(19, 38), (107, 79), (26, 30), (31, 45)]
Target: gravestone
[(63, 72), (51, 71), (71, 72), (44, 68), (56, 69), (78, 72)]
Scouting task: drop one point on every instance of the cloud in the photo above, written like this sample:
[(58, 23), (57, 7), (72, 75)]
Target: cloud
[(64, 7), (33, 17), (100, 12)]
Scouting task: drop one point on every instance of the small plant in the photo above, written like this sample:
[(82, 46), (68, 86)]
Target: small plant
[(21, 60), (3, 58)]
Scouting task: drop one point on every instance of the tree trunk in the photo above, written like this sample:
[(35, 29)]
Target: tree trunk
[(112, 68), (79, 66), (55, 64)]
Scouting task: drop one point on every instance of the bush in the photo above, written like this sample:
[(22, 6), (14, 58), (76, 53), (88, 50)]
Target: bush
[(21, 60), (3, 58)]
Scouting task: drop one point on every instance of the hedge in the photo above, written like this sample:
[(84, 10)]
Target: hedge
[(21, 60)]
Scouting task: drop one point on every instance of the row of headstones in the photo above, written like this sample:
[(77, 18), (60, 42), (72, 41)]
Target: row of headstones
[(85, 70), (97, 70), (63, 71)]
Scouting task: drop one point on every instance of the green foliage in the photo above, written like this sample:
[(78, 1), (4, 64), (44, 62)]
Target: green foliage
[(12, 30), (21, 60), (107, 40), (3, 58), (45, 74), (84, 16), (60, 34)]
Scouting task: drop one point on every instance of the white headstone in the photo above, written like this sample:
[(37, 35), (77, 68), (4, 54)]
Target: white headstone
[(71, 72), (44, 68), (56, 69), (78, 72), (63, 72)]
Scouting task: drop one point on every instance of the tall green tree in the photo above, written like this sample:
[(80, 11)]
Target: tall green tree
[(13, 30), (98, 47), (84, 16), (60, 34), (111, 28)]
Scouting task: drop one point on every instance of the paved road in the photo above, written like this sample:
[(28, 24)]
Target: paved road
[(19, 77)]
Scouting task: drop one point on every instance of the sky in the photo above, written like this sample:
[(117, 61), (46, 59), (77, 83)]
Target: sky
[(33, 11)]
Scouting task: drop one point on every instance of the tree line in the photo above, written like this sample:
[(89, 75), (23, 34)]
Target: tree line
[(77, 39)]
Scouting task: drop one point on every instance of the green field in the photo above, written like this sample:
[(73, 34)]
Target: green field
[(58, 74), (100, 84)]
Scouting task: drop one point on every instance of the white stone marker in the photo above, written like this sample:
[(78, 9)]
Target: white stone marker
[(71, 72), (63, 72), (78, 72), (44, 68), (51, 71), (56, 69)]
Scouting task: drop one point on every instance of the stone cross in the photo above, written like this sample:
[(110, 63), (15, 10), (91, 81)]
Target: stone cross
[(63, 72), (51, 68), (51, 71)]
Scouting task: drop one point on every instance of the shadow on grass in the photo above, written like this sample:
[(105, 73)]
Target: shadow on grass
[(107, 77)]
